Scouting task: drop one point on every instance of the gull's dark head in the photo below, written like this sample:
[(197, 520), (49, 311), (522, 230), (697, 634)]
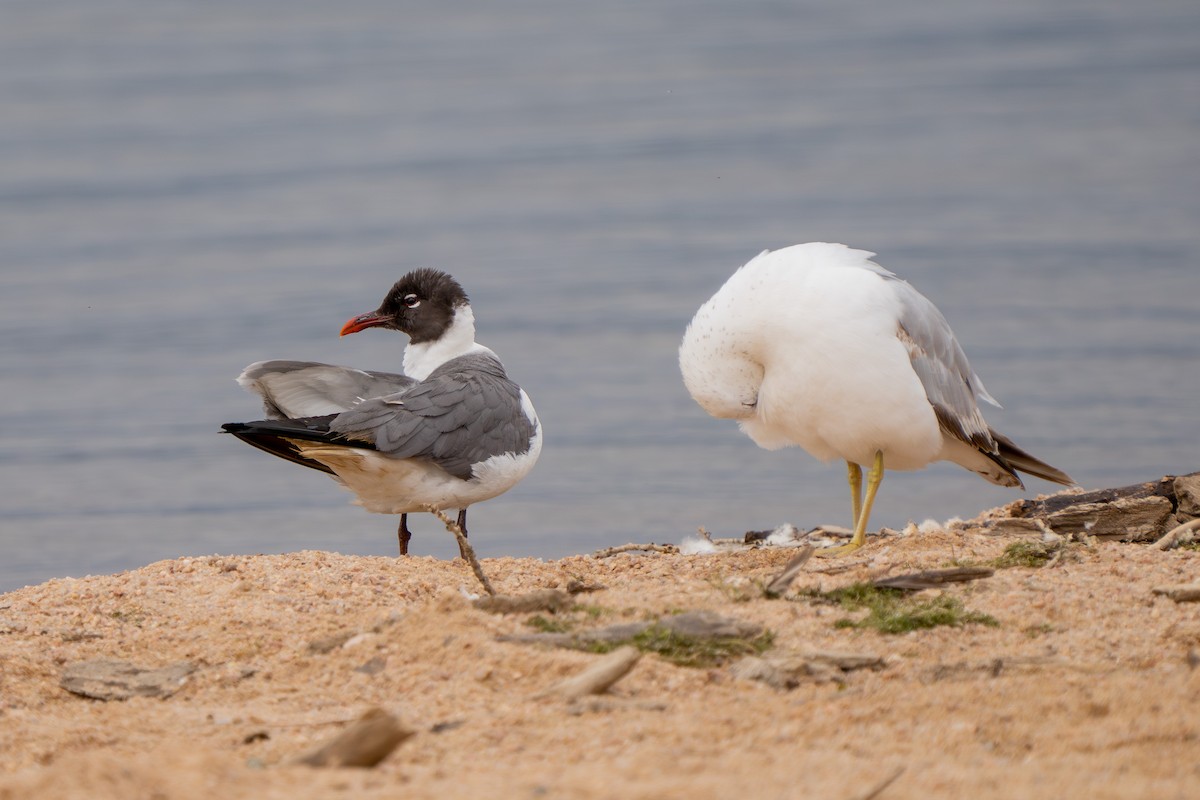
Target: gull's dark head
[(421, 304)]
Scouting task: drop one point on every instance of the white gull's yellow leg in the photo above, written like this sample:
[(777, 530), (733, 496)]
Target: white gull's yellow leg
[(854, 477), (874, 478)]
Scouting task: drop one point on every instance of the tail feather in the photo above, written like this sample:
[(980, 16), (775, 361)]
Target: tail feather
[(1017, 459)]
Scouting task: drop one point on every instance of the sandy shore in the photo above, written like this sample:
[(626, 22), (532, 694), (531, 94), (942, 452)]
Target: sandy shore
[(1086, 687)]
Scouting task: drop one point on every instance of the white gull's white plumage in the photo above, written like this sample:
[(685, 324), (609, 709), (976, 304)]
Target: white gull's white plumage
[(450, 431), (817, 346)]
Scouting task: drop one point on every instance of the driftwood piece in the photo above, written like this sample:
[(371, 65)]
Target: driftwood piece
[(1180, 593), (1137, 519), (931, 579), (692, 624), (649, 547), (1044, 506), (1187, 495), (367, 741), (104, 679), (552, 600), (1138, 512), (1016, 526), (597, 677)]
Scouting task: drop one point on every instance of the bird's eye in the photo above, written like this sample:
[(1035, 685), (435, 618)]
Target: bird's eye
[(411, 300)]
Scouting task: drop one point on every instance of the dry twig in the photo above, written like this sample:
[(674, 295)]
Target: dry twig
[(930, 579), (598, 676), (464, 547), (879, 788), (1175, 536)]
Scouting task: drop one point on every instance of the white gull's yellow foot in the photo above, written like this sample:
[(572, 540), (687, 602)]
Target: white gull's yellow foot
[(861, 513)]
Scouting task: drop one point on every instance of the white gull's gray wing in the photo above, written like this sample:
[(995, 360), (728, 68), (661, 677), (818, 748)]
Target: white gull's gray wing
[(465, 412), (951, 386), (291, 389)]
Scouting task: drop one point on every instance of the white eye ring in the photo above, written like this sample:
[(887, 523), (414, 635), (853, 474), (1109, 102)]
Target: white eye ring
[(411, 300)]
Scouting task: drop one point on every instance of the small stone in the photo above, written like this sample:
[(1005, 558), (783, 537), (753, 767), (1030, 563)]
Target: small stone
[(788, 669), (119, 680), (1180, 593), (329, 643), (365, 743), (372, 667), (754, 668), (709, 625)]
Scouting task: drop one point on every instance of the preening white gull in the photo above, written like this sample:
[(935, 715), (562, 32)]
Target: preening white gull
[(817, 346)]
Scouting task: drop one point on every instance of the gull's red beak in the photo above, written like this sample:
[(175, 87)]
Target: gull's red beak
[(362, 322)]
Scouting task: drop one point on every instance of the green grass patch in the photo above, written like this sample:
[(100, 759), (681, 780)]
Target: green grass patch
[(568, 620), (592, 612), (134, 616), (1026, 554), (1041, 629), (896, 611), (691, 651), (550, 625)]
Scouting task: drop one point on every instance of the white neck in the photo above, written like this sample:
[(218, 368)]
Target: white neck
[(459, 339)]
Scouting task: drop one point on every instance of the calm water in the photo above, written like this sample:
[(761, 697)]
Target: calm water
[(186, 188)]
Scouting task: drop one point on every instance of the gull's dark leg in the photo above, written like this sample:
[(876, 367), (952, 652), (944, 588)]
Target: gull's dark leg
[(462, 526), (404, 534)]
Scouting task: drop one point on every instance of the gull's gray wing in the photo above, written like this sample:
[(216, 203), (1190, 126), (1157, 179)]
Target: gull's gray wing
[(939, 361), (292, 389), (465, 412)]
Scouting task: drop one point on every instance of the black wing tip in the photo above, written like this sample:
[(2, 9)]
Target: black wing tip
[(1018, 459), (307, 429), (273, 442)]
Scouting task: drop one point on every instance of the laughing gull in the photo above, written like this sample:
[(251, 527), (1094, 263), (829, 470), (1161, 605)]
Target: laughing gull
[(817, 346), (451, 431)]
